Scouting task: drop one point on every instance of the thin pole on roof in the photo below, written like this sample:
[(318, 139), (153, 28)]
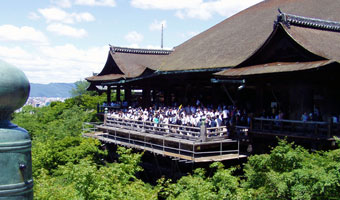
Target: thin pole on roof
[(162, 38)]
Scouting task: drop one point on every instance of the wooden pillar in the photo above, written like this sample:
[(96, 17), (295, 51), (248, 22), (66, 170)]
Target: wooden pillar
[(301, 100), (154, 96), (214, 95), (259, 99), (166, 97), (108, 94), (186, 96), (146, 97), (127, 93), (118, 93)]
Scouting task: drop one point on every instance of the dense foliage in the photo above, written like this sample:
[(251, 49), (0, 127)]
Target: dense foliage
[(68, 166)]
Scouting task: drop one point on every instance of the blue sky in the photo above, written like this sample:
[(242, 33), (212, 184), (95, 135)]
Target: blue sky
[(68, 40)]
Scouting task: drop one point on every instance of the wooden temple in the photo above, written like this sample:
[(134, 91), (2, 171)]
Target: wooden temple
[(276, 56)]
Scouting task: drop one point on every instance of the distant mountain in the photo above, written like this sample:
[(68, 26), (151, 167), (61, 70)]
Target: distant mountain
[(51, 90)]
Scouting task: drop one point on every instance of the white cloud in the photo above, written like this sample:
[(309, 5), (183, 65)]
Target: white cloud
[(55, 14), (47, 64), (88, 17), (165, 4), (134, 37), (66, 30), (180, 14), (110, 3), (196, 8), (157, 47), (23, 34), (133, 46), (33, 16), (62, 3), (157, 25), (70, 52), (189, 34), (58, 15), (14, 52)]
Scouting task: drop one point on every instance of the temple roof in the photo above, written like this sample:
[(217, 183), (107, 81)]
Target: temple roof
[(230, 42), (237, 39), (125, 63), (316, 41)]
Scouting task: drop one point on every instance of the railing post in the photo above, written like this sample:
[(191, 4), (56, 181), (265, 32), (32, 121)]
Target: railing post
[(221, 148), (179, 147), (330, 127), (105, 116), (163, 145), (105, 119), (251, 123), (316, 131), (203, 133), (238, 147)]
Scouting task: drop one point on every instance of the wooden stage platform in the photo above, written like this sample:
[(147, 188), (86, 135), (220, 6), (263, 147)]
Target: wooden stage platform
[(185, 144)]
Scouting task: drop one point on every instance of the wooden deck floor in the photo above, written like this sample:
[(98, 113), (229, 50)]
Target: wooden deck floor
[(105, 137)]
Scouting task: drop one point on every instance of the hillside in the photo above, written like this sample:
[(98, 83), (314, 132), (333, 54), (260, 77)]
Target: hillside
[(51, 90)]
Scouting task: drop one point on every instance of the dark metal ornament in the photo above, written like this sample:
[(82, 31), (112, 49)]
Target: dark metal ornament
[(15, 145)]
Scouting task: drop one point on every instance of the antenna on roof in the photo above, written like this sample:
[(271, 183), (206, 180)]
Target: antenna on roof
[(162, 38)]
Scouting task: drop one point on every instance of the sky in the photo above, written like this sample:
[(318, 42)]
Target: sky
[(64, 41)]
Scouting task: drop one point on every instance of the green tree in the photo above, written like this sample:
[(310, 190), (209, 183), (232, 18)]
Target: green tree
[(81, 88), (222, 185), (69, 166), (291, 172)]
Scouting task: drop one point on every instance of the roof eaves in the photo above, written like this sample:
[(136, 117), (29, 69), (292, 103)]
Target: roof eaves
[(191, 70)]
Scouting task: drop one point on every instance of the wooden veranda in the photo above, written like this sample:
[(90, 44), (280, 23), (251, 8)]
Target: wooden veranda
[(183, 143)]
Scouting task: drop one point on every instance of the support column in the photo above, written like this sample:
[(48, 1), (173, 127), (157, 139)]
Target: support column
[(108, 94), (118, 93), (166, 97), (146, 97), (154, 96), (186, 96), (214, 96), (127, 93), (259, 98)]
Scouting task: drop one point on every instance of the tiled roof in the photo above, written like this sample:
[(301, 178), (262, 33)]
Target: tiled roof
[(230, 42), (235, 39)]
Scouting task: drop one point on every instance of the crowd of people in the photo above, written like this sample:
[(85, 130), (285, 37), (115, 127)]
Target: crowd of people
[(188, 115), (313, 116)]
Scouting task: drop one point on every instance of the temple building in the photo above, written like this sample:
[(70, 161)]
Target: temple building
[(277, 60), (278, 53)]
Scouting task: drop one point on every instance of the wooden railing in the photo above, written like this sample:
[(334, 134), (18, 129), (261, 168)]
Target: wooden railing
[(296, 127), (188, 132), (102, 109)]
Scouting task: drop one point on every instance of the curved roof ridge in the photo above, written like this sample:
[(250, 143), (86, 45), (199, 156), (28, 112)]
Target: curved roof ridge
[(140, 50), (308, 22)]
